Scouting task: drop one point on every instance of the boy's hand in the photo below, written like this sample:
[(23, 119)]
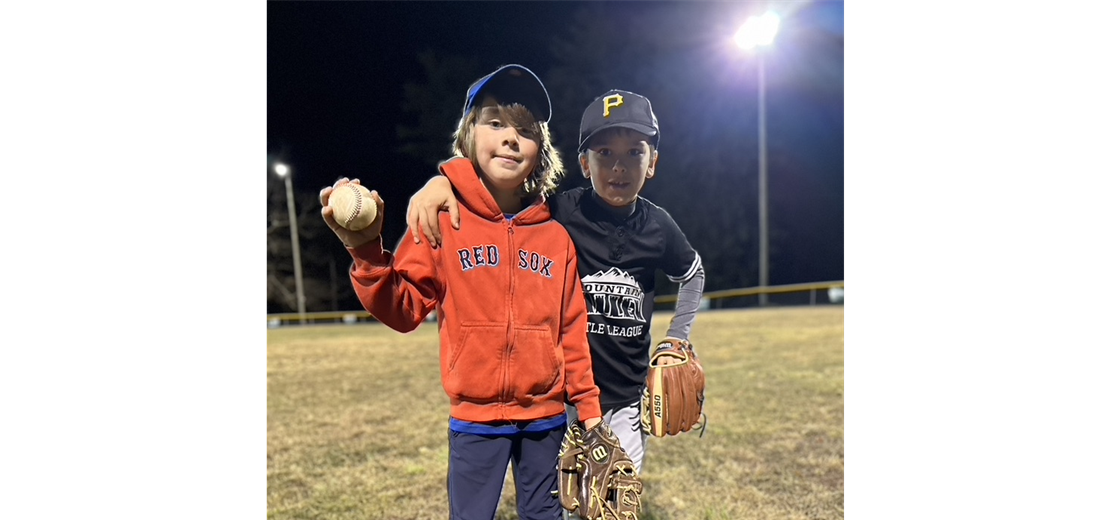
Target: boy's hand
[(350, 238), (424, 207), (597, 479), (675, 392), (668, 360)]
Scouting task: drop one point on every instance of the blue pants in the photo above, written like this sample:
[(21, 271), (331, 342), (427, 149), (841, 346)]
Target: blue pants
[(476, 473)]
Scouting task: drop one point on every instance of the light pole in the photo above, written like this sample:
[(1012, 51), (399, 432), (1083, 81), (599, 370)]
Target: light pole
[(283, 172), (756, 33)]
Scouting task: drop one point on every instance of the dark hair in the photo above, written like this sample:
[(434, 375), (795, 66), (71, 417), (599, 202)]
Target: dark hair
[(549, 167)]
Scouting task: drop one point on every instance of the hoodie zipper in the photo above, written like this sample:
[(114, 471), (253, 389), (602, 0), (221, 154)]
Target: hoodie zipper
[(509, 304)]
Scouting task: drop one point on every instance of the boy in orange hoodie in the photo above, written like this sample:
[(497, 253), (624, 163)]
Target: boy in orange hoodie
[(511, 312)]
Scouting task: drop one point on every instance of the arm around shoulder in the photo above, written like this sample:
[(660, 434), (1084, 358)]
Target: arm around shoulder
[(424, 207)]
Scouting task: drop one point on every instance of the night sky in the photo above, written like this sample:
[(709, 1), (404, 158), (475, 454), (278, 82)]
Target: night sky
[(336, 71)]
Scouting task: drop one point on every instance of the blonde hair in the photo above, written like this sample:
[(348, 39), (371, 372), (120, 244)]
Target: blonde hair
[(549, 167)]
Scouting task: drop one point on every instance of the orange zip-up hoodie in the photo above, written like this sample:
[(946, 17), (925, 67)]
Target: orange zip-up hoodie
[(511, 312)]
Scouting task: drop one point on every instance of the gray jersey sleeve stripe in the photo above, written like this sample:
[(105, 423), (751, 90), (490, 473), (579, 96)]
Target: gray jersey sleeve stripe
[(690, 272)]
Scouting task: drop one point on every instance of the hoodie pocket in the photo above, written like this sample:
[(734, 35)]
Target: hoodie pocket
[(474, 371), (535, 368)]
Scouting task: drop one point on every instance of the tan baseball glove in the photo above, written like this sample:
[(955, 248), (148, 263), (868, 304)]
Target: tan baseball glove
[(597, 479), (675, 391)]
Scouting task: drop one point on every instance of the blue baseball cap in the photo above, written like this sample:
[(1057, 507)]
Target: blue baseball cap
[(512, 84)]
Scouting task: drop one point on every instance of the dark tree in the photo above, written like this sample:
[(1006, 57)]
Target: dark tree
[(435, 105)]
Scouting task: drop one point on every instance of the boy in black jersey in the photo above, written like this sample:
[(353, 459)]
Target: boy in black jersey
[(621, 240)]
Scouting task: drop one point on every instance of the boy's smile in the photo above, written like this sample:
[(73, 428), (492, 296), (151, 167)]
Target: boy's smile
[(505, 154)]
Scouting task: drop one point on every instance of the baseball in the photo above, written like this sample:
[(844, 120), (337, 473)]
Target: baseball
[(352, 206)]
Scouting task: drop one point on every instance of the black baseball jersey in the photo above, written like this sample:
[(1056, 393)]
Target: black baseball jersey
[(617, 260)]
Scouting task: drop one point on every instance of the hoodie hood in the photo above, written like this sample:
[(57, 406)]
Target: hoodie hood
[(474, 195)]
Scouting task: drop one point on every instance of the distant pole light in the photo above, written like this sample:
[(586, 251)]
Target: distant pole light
[(760, 31), (283, 171)]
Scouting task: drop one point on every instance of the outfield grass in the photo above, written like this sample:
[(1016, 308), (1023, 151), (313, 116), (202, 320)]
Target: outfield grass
[(357, 423)]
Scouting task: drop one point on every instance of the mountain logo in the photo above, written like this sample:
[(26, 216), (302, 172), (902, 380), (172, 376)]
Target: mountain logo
[(614, 294)]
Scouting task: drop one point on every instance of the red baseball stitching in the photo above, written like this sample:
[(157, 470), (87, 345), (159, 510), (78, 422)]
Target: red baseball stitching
[(358, 205)]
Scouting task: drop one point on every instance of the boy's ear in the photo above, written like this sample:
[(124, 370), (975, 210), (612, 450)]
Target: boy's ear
[(651, 167), (585, 164)]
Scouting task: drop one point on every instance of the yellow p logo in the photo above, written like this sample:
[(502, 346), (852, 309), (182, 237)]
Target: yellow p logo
[(613, 101)]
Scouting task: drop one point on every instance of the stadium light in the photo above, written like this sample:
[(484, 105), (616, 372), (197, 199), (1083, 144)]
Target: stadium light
[(283, 171), (756, 33)]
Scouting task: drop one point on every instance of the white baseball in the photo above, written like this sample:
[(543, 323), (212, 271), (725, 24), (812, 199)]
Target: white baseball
[(352, 206)]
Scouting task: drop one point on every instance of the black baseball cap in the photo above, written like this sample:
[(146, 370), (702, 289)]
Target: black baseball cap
[(618, 109), (512, 84)]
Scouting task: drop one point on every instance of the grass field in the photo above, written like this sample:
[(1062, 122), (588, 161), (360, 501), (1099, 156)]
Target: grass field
[(357, 423)]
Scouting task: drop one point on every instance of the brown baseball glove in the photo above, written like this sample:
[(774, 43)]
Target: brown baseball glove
[(597, 479), (674, 392)]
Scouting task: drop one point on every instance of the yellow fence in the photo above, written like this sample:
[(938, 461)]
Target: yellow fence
[(274, 320), (812, 287)]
